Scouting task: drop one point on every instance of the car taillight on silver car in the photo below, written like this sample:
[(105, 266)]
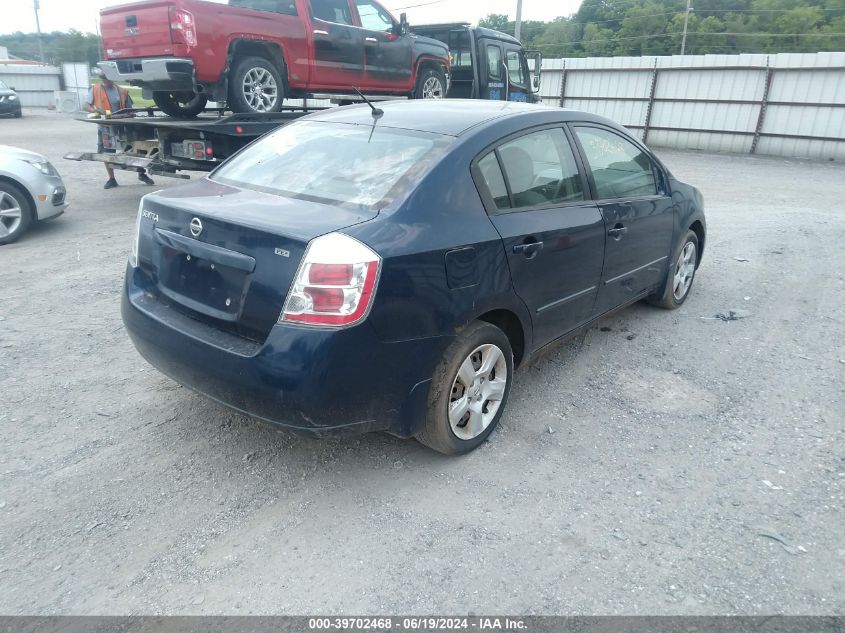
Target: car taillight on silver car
[(335, 283)]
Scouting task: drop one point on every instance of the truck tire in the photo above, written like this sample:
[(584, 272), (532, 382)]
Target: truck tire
[(16, 212), (255, 85), (431, 84), (180, 105)]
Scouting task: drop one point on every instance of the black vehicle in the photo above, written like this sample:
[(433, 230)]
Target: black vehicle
[(358, 270), (10, 104), (486, 64)]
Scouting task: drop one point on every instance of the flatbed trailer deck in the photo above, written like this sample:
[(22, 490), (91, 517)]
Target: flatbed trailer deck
[(142, 138)]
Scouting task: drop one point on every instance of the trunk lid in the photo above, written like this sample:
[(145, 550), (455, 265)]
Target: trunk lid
[(137, 30), (228, 256)]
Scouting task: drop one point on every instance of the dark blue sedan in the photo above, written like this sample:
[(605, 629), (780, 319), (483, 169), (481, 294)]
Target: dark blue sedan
[(362, 271)]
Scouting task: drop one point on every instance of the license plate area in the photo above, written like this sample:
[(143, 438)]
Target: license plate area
[(202, 285), (202, 277)]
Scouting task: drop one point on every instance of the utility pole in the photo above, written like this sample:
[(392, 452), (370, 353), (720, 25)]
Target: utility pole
[(686, 22), (36, 6), (518, 19)]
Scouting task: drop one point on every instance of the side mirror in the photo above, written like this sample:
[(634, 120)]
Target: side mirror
[(12, 88), (403, 24), (538, 68)]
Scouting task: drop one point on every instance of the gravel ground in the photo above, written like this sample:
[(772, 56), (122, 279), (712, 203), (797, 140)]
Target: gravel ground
[(661, 463)]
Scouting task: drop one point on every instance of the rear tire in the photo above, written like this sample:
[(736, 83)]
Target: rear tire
[(255, 85), (681, 274), (180, 105), (16, 212), (431, 84), (469, 390)]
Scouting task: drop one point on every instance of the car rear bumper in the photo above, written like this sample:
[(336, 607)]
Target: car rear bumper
[(157, 73), (313, 381)]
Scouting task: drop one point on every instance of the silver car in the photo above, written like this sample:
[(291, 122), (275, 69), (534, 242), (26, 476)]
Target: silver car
[(30, 190)]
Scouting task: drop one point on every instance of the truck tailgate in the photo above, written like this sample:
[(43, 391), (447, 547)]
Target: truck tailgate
[(137, 30)]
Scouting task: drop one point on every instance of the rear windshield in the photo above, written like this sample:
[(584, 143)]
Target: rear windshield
[(355, 165)]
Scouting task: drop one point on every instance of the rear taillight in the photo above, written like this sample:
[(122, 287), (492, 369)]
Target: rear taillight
[(182, 27), (335, 283)]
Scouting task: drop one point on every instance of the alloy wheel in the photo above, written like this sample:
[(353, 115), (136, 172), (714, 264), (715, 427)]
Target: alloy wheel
[(260, 90), (477, 391), (684, 271), (10, 214), (432, 89)]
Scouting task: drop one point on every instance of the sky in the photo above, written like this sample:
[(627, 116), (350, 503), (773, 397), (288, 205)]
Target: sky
[(82, 15)]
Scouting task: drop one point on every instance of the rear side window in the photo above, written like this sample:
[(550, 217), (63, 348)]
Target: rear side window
[(492, 175), (620, 168), (336, 11), (285, 7), (353, 165), (540, 169)]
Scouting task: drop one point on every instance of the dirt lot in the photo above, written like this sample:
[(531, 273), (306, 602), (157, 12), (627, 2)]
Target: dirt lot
[(664, 462)]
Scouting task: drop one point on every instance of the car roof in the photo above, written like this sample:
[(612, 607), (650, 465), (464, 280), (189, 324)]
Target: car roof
[(451, 117)]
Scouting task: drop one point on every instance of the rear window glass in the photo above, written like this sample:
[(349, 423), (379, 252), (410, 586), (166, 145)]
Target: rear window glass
[(285, 7), (356, 165)]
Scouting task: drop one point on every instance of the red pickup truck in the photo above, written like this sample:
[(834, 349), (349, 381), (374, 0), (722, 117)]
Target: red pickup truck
[(253, 54)]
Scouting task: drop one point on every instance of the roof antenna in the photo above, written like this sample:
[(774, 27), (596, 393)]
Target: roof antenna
[(377, 112)]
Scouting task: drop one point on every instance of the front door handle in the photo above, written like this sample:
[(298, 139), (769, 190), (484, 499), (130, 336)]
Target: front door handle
[(529, 249), (320, 32), (618, 231), (370, 39)]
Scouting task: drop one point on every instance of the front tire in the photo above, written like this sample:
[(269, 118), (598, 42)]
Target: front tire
[(680, 275), (431, 84), (180, 105), (16, 212), (469, 390), (255, 85)]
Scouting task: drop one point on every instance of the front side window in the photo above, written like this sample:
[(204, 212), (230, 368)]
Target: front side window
[(336, 11), (285, 7), (540, 169), (620, 168), (494, 62), (516, 70), (373, 17), (334, 163)]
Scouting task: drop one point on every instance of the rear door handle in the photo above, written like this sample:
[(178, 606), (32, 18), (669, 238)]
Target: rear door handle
[(529, 248), (371, 39), (618, 231)]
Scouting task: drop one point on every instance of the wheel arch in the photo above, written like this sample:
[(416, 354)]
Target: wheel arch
[(424, 62), (512, 326), (248, 47), (697, 227)]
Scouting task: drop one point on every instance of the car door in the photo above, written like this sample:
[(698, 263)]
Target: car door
[(638, 213), (552, 233), (517, 73), (494, 83), (338, 59), (387, 53)]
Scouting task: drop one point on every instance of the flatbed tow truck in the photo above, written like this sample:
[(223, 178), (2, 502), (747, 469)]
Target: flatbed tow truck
[(485, 64), (142, 137)]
